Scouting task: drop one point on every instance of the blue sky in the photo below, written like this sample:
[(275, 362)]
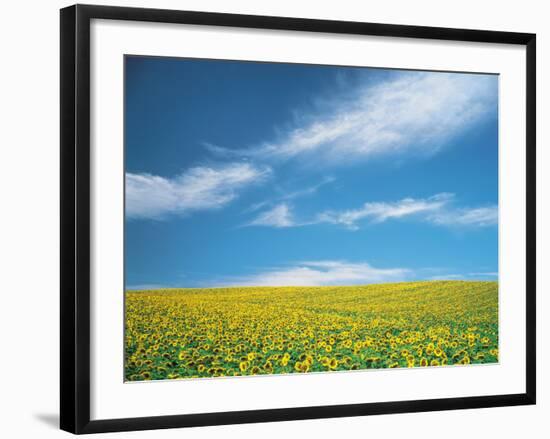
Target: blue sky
[(243, 173)]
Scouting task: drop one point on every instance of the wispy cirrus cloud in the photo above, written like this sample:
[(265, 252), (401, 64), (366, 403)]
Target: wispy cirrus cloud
[(316, 273), (381, 211), (286, 196), (437, 209), (414, 112), (196, 189), (279, 217), (310, 190), (480, 216)]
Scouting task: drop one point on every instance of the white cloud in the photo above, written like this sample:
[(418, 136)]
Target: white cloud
[(484, 274), (437, 209), (382, 211), (309, 190), (279, 216), (315, 273), (481, 216), (199, 188), (414, 112)]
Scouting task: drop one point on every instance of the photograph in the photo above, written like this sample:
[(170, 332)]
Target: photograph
[(292, 218), (269, 220)]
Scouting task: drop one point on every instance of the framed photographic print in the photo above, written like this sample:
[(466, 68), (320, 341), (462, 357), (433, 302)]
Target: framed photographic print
[(285, 218)]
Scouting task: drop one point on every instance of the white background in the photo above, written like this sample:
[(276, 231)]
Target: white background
[(29, 217)]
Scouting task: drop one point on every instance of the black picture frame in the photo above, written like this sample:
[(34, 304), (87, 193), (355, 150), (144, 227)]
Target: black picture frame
[(75, 217)]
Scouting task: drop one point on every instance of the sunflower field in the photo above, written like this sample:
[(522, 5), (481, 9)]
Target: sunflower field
[(216, 332)]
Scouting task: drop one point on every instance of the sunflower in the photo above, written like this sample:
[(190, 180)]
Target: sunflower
[(176, 334), (285, 359)]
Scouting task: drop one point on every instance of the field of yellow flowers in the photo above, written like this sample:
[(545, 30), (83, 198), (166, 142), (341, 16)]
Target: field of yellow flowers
[(191, 333)]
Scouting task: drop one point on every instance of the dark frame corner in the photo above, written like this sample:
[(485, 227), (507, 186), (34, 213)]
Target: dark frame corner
[(75, 217)]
